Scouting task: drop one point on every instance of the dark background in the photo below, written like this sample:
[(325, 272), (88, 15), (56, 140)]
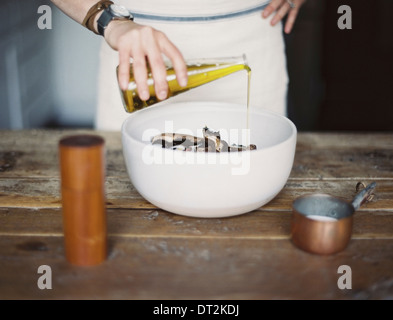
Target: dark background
[(342, 79)]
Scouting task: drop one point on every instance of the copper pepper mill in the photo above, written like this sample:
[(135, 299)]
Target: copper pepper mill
[(82, 166)]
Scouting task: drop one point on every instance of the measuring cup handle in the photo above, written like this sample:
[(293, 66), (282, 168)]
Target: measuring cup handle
[(363, 195)]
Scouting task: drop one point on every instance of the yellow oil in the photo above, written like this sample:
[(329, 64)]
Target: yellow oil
[(197, 75), (248, 99)]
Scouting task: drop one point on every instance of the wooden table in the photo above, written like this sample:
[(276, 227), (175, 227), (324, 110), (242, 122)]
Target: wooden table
[(154, 254)]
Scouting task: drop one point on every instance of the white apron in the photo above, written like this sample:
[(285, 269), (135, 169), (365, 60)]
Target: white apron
[(206, 29)]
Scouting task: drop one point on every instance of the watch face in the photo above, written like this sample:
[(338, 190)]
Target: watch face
[(119, 11)]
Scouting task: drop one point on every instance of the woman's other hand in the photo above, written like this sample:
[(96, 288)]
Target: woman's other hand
[(281, 9)]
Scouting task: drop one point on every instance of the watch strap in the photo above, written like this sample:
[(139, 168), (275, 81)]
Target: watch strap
[(103, 21), (107, 16), (88, 21)]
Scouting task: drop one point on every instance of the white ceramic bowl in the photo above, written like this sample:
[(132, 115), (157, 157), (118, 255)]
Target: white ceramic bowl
[(209, 184)]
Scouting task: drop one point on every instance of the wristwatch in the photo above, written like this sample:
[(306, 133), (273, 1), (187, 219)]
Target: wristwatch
[(113, 12)]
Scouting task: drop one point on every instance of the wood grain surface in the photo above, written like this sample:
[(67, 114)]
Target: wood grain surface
[(154, 254)]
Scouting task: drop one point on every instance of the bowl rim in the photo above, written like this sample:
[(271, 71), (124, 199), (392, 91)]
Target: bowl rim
[(292, 126)]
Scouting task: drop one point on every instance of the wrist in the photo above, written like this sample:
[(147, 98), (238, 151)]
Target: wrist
[(113, 26)]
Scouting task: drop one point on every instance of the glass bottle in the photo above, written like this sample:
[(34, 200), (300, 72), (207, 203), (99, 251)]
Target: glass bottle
[(200, 71)]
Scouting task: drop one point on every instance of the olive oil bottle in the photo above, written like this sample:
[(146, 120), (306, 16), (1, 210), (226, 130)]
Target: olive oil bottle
[(200, 72)]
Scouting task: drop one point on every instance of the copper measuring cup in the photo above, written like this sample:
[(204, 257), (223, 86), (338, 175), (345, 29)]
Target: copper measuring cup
[(322, 224)]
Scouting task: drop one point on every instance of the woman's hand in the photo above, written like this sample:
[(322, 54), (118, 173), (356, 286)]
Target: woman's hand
[(144, 45), (282, 7)]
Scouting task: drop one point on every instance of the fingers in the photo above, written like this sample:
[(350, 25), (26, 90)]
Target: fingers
[(281, 13), (124, 69), (272, 7), (161, 44), (153, 54), (144, 45), (281, 9), (139, 69), (291, 20), (172, 52)]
